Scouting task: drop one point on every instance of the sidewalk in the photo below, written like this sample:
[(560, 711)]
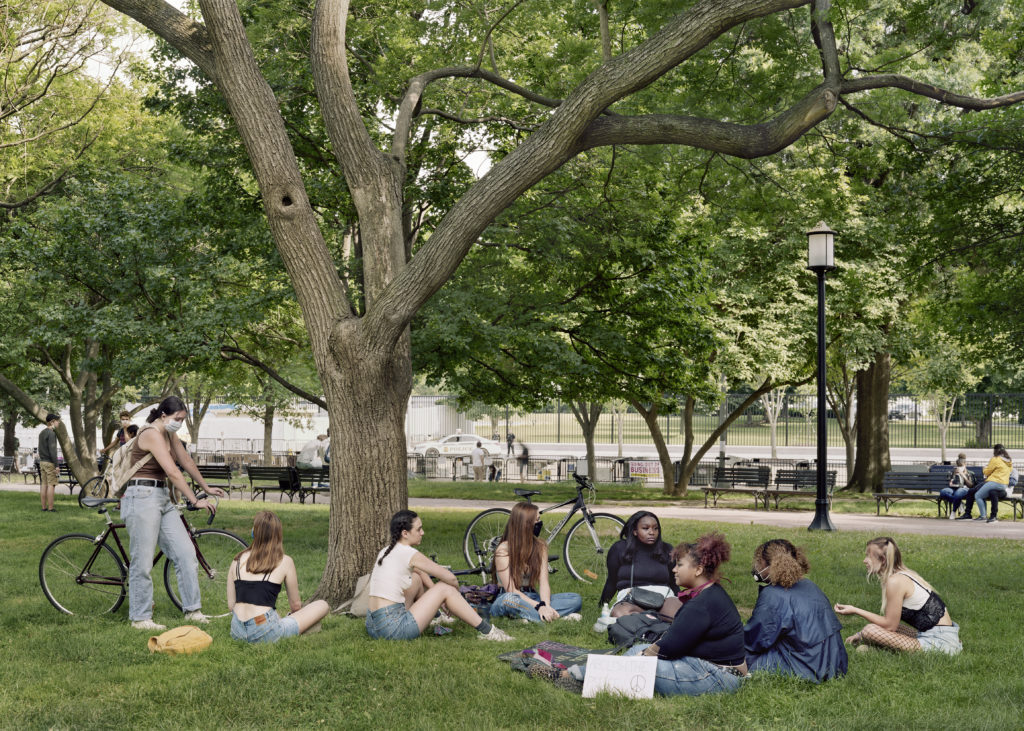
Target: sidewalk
[(1006, 527)]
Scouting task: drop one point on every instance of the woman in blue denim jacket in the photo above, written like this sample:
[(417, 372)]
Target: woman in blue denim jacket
[(793, 629)]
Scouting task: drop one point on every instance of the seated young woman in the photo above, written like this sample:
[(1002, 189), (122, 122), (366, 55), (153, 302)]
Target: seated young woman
[(521, 570), (793, 629), (702, 652), (908, 598), (404, 599), (254, 581), (641, 559)]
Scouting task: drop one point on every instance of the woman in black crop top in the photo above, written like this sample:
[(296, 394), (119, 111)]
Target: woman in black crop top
[(254, 581), (641, 558), (913, 617), (702, 652)]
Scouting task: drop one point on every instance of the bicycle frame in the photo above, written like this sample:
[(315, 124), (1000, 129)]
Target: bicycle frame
[(111, 530), (577, 503)]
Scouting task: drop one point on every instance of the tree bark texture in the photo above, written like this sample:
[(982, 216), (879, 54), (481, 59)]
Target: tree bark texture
[(587, 414), (872, 459), (10, 421)]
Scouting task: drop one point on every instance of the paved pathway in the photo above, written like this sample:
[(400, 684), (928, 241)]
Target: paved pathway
[(879, 525)]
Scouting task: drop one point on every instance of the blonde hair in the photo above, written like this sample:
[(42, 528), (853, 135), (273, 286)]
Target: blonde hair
[(892, 563), (267, 547)]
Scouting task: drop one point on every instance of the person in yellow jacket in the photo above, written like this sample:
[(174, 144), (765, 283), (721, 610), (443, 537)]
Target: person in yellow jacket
[(997, 477)]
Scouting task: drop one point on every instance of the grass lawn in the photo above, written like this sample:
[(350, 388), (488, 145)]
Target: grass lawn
[(69, 672)]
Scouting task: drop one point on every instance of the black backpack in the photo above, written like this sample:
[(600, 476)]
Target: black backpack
[(634, 629)]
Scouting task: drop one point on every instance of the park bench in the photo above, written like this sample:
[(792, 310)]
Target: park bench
[(6, 466), (898, 486), (270, 479), (1015, 501), (65, 477), (31, 470), (754, 481), (216, 475), (313, 480), (800, 483)]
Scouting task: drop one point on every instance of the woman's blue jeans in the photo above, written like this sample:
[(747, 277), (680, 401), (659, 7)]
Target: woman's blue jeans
[(510, 604), (954, 496), (994, 490), (152, 520), (683, 676)]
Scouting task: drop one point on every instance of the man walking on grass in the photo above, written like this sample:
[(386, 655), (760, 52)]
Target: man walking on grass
[(48, 463)]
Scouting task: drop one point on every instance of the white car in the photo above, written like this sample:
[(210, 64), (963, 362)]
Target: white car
[(457, 444)]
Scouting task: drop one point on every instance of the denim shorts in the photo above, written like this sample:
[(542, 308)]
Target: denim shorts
[(942, 638), (265, 628), (393, 622)]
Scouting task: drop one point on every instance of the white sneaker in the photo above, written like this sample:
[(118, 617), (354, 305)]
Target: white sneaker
[(147, 624), (196, 615), (572, 617), (442, 618), (495, 635)]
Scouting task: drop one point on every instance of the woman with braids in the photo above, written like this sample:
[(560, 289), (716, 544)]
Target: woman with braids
[(907, 597), (255, 579), (641, 558), (702, 652), (402, 605), (521, 569), (793, 630)]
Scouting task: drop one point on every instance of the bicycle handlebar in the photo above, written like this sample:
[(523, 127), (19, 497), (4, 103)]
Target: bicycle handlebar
[(204, 496)]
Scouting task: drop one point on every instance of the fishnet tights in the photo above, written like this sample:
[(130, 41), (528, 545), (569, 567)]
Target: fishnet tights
[(904, 639)]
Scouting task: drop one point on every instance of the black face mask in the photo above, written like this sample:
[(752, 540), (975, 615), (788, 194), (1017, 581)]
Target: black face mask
[(537, 527)]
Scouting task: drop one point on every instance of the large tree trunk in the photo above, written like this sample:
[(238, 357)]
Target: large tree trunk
[(872, 459), (588, 413), (368, 394), (650, 416)]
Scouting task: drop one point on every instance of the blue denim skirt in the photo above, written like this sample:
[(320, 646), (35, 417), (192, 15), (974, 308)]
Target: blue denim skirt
[(393, 622), (942, 638), (264, 628)]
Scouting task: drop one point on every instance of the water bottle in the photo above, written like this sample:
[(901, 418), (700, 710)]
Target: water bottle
[(601, 625)]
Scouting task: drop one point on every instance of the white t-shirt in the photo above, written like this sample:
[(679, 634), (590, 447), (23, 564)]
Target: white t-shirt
[(477, 457), (392, 576)]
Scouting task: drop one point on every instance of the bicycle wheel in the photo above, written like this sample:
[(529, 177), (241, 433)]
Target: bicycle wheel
[(78, 579), (218, 549), (484, 534), (96, 487), (585, 559)]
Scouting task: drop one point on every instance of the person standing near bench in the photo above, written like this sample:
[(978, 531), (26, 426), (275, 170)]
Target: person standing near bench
[(997, 479), (477, 460), (48, 463), (908, 598)]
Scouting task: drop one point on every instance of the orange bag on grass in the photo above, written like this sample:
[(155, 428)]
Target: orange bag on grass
[(180, 641)]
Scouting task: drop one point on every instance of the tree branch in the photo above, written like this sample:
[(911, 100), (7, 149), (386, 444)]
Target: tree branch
[(228, 352), (896, 81)]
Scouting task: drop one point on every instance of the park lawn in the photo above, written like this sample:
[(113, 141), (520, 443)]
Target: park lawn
[(69, 672)]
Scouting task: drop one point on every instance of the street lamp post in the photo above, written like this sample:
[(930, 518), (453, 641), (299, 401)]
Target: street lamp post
[(820, 260)]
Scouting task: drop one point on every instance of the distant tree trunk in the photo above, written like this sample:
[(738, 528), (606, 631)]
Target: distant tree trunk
[(268, 433), (944, 410), (872, 459), (650, 416), (10, 421), (772, 403), (588, 413), (983, 424), (841, 392)]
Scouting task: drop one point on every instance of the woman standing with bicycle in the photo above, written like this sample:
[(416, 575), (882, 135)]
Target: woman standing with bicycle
[(151, 518), (401, 604), (521, 569)]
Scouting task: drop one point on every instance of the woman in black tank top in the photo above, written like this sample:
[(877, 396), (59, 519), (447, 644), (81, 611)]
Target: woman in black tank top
[(254, 581)]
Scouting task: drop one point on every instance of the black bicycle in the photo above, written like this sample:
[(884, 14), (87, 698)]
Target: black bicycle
[(586, 545), (82, 574)]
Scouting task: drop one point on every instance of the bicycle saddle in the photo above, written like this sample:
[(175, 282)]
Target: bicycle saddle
[(525, 493)]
